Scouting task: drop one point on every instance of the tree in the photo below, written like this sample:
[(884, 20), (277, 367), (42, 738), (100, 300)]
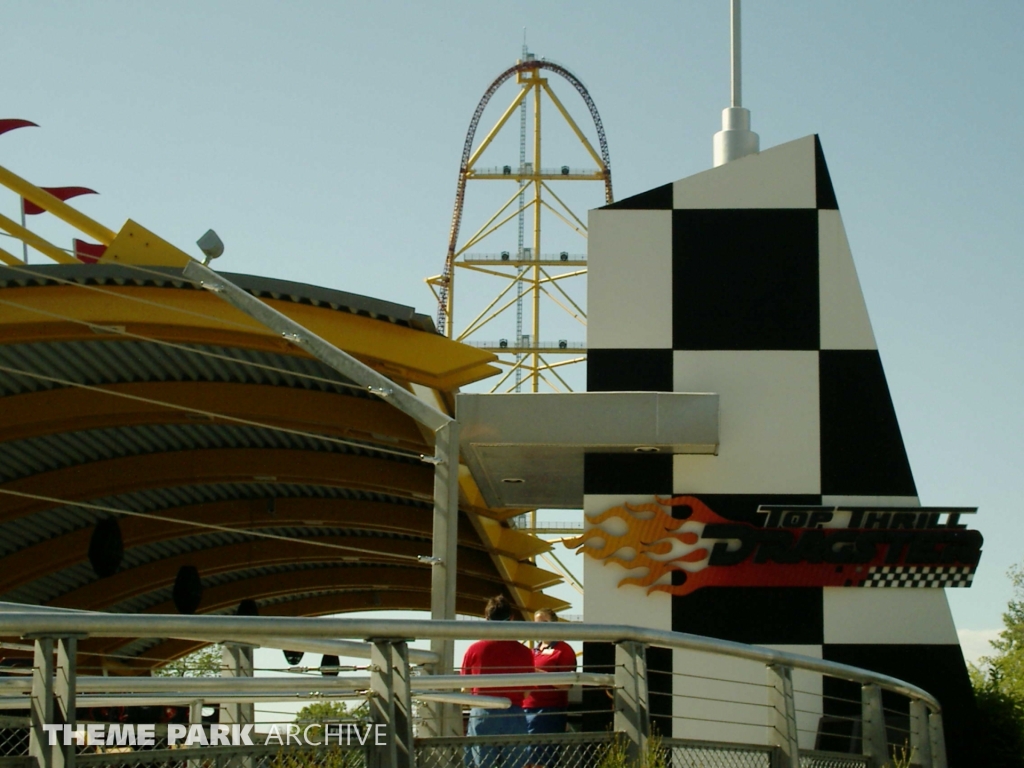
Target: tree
[(320, 712), (999, 686), (206, 662)]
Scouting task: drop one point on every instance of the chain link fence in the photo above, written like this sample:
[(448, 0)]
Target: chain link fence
[(831, 760), (568, 750), (695, 754)]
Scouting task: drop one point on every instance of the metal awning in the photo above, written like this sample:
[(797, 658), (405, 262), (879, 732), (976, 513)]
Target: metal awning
[(527, 451)]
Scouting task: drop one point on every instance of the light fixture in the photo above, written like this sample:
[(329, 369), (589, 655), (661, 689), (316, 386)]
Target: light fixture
[(513, 480), (106, 548), (293, 657), (188, 589), (329, 665), (211, 245), (646, 449), (248, 608)]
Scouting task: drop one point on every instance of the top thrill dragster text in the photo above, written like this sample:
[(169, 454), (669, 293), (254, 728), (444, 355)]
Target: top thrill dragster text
[(693, 547)]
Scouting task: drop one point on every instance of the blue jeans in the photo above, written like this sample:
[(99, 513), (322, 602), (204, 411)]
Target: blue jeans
[(497, 722), (542, 720)]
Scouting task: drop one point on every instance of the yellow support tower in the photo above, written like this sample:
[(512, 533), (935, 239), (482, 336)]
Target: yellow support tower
[(528, 275)]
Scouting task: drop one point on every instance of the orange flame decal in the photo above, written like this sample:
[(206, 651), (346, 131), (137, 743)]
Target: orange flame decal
[(661, 543)]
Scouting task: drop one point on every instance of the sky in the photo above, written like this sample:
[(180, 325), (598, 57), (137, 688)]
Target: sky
[(322, 141)]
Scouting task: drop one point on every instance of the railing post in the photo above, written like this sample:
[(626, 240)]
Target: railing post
[(873, 720), (920, 735), (938, 740), (41, 712), (195, 717), (237, 662), (444, 557), (782, 731), (64, 690), (632, 715), (390, 707)]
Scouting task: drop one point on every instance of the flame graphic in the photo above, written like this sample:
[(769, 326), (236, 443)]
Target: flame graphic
[(661, 543)]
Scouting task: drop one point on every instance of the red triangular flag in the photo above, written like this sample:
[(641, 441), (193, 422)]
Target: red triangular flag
[(61, 193), (10, 123), (88, 253)]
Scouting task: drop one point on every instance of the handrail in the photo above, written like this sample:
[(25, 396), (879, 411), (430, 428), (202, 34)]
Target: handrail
[(224, 628)]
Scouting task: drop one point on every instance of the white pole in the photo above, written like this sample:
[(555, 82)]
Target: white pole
[(735, 140), (734, 18), (24, 245)]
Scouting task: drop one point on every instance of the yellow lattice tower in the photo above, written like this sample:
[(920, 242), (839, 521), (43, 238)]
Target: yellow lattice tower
[(530, 278)]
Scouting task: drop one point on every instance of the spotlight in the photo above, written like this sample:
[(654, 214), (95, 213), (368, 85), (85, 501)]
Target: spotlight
[(211, 245), (188, 589), (106, 548)]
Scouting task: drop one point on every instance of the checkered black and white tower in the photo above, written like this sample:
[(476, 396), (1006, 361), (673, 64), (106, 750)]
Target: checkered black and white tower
[(740, 280)]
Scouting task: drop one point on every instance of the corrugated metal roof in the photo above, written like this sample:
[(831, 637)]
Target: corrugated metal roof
[(61, 582), (102, 361), (106, 358), (20, 458), (264, 287), (57, 521)]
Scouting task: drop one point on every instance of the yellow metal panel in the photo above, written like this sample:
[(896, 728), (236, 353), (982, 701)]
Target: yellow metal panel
[(8, 258), (522, 545), (58, 208), (34, 240), (135, 244), (534, 578), (537, 600), (186, 316)]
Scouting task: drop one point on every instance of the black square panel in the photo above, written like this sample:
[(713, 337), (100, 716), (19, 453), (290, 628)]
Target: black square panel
[(938, 669), (630, 473), (598, 658), (629, 370), (745, 279), (823, 180), (657, 199), (756, 615), (659, 687), (862, 452)]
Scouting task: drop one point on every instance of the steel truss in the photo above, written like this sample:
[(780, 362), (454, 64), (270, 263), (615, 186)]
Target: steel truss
[(529, 274)]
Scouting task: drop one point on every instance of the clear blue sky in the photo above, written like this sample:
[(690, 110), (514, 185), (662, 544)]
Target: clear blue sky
[(321, 140)]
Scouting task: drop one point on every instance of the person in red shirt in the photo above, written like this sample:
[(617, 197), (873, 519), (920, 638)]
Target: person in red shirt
[(495, 657), (547, 706)]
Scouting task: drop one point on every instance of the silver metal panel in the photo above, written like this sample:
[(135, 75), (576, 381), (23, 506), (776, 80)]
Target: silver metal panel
[(526, 451)]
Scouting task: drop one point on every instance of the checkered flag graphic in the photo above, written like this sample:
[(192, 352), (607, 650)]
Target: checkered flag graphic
[(919, 576)]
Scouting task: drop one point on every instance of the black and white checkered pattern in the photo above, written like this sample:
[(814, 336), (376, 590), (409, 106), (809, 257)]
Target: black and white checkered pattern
[(919, 576), (740, 280)]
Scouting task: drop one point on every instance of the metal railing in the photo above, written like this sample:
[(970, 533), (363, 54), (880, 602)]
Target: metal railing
[(694, 701)]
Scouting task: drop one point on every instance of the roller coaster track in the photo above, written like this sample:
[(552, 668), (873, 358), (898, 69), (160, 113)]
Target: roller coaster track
[(443, 310)]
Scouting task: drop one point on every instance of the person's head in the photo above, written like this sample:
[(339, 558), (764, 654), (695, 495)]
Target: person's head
[(544, 614), (498, 609)]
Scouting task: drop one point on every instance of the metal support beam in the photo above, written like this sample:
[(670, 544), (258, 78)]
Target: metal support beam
[(391, 706), (632, 717), (446, 452), (195, 717), (873, 718), (782, 731), (322, 350), (920, 735), (237, 662), (41, 712), (444, 561), (938, 740), (65, 691)]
